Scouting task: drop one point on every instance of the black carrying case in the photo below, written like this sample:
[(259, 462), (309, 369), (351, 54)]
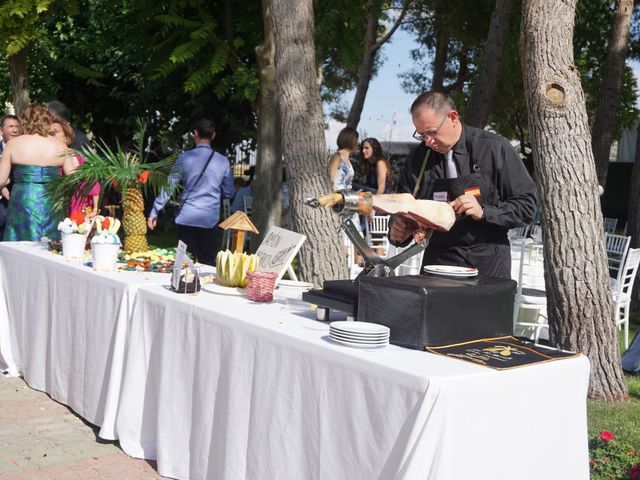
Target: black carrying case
[(430, 310)]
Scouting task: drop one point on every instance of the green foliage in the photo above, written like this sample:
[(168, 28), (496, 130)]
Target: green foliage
[(115, 169), (610, 458)]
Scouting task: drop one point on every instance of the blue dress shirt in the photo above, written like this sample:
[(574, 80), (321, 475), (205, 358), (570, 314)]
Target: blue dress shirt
[(202, 207)]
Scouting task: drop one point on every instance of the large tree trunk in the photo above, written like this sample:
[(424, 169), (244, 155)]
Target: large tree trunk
[(609, 98), (267, 183), (442, 52), (633, 212), (579, 301), (303, 142), (371, 47), (19, 84), (485, 87)]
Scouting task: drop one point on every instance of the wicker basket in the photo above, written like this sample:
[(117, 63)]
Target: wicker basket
[(260, 286)]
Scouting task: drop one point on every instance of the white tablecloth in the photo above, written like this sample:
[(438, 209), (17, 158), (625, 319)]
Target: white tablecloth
[(217, 387), (64, 326)]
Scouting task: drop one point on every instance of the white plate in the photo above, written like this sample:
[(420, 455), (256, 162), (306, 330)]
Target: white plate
[(294, 284), (365, 336), (362, 338), (357, 345), (451, 270), (371, 341), (219, 289), (360, 327)]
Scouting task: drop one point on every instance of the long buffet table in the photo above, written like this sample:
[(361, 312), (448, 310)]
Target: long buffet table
[(218, 387)]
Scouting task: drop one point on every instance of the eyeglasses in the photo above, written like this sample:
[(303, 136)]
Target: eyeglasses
[(421, 137)]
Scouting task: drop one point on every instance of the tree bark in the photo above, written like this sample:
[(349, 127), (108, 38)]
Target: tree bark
[(441, 54), (371, 47), (303, 143), (609, 98), (267, 183), (19, 79), (485, 87), (579, 301)]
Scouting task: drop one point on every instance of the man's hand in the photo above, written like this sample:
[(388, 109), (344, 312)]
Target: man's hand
[(6, 193), (152, 222), (468, 206), (401, 229)]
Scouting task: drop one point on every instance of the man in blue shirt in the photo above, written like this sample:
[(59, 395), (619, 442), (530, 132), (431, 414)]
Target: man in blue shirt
[(206, 178)]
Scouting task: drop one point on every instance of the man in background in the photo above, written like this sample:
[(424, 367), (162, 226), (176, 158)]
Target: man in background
[(9, 128), (61, 113), (206, 178)]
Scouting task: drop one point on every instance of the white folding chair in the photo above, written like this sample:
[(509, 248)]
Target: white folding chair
[(518, 233), (617, 247), (610, 224), (530, 306), (622, 295), (378, 228), (226, 211), (248, 205)]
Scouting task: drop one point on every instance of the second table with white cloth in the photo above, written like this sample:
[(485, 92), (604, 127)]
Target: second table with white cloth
[(64, 327)]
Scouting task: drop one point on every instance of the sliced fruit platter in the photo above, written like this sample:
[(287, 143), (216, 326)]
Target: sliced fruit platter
[(158, 260)]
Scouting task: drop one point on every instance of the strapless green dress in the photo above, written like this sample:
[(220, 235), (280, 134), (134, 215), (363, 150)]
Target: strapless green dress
[(29, 216)]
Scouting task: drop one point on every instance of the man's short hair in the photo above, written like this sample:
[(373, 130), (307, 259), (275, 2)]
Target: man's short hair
[(7, 117), (59, 110), (436, 101), (205, 128), (347, 138)]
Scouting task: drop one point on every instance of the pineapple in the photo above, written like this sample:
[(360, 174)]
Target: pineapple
[(123, 171), (134, 221)]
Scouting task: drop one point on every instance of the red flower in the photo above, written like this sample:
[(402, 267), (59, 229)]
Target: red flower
[(76, 216), (635, 471), (634, 453), (143, 177), (105, 223), (114, 183), (607, 436)]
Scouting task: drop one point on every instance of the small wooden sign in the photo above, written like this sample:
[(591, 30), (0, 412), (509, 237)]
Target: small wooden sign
[(278, 249)]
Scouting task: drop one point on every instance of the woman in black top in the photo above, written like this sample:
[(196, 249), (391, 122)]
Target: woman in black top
[(376, 168)]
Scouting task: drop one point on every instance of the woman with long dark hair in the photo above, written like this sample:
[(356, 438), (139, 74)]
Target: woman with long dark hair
[(376, 168)]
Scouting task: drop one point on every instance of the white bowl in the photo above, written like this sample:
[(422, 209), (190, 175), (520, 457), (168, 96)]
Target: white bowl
[(104, 256), (73, 245)]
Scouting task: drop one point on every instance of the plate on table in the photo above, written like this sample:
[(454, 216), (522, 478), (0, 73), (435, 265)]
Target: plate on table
[(451, 270), (360, 327), (357, 339), (214, 287), (358, 345)]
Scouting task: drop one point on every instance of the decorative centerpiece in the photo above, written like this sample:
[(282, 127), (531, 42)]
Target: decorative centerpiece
[(232, 268), (105, 244), (74, 231), (123, 171), (159, 260)]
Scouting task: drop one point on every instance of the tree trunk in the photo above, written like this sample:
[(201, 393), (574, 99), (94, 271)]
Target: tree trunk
[(442, 52), (485, 87), (366, 66), (633, 212), (267, 183), (609, 98), (371, 47), (303, 143), (19, 84), (579, 301)]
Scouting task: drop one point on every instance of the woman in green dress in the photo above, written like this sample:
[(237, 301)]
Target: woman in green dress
[(33, 159)]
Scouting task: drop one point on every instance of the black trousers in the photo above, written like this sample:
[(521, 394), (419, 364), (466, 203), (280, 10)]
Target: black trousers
[(202, 243)]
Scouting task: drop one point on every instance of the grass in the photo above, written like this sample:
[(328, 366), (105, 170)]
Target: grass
[(623, 419)]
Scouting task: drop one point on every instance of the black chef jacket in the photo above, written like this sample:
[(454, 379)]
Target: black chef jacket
[(490, 169)]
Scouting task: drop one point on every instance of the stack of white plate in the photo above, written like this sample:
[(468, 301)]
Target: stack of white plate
[(359, 334)]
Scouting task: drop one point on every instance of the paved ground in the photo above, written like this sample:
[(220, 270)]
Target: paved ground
[(42, 439)]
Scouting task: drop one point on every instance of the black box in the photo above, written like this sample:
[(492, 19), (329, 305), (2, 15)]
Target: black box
[(428, 310)]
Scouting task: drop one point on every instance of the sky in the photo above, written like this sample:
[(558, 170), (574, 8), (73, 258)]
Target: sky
[(386, 111)]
